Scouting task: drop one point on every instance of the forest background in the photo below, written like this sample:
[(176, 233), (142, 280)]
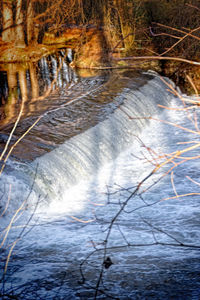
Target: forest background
[(103, 29)]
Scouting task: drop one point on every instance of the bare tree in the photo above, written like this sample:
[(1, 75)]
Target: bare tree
[(8, 22), (19, 30)]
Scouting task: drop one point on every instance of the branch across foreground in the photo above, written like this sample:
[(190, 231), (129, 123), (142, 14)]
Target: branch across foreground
[(166, 163), (159, 162)]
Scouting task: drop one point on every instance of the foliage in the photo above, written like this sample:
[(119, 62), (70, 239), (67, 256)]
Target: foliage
[(126, 21)]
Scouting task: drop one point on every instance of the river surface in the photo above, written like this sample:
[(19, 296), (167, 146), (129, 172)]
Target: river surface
[(83, 229)]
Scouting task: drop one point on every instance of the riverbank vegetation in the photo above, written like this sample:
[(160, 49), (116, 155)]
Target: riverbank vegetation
[(103, 32)]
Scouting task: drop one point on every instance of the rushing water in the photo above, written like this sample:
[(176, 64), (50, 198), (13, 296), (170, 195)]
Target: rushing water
[(77, 167)]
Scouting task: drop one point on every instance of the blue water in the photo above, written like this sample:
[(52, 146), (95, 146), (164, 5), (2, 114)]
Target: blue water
[(81, 186)]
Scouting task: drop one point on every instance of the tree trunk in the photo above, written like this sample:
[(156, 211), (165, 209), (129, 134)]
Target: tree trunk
[(126, 24), (19, 30), (8, 29), (32, 35)]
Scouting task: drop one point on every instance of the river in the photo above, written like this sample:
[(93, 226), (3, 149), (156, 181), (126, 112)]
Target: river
[(81, 225)]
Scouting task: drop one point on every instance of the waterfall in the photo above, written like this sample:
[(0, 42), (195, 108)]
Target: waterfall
[(82, 155), (93, 157)]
